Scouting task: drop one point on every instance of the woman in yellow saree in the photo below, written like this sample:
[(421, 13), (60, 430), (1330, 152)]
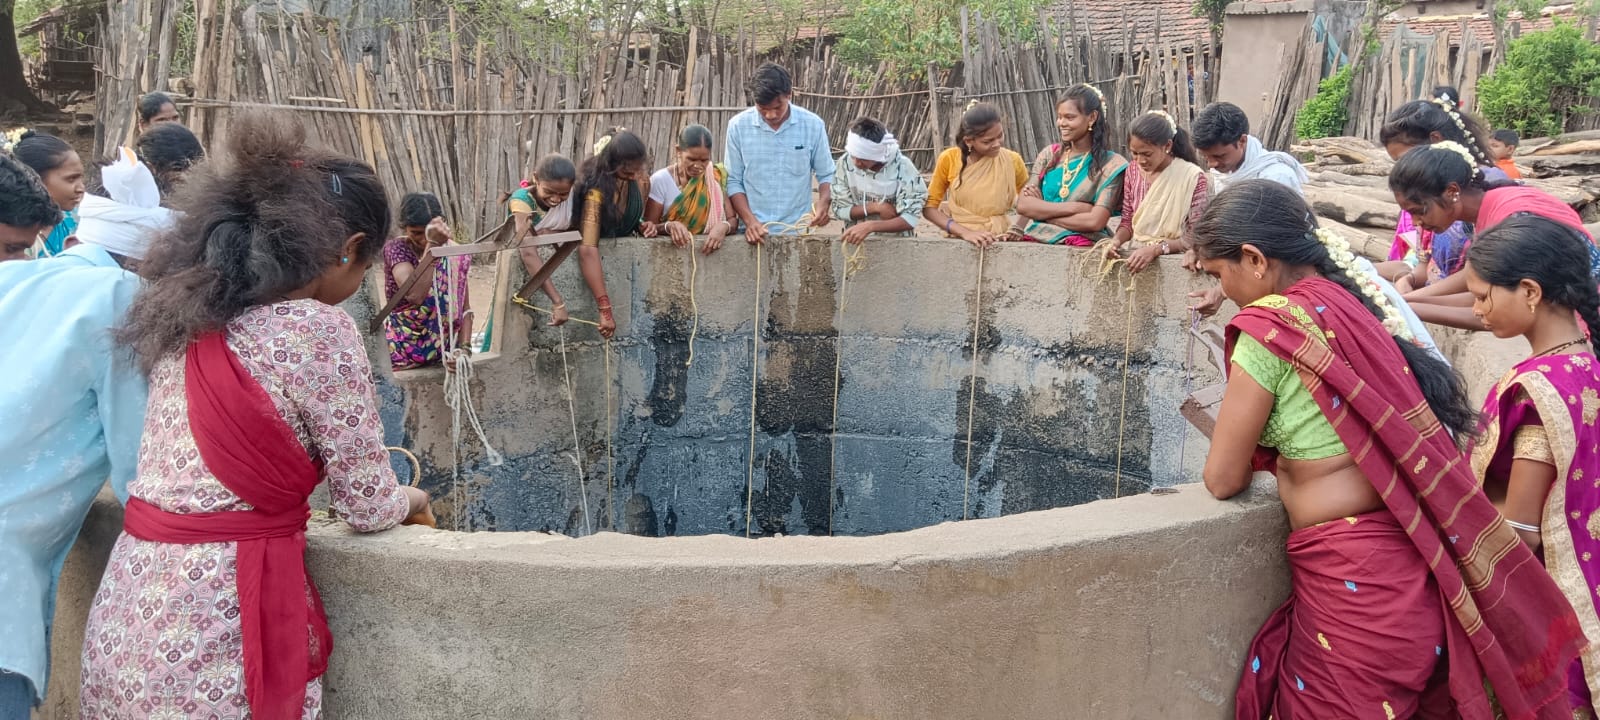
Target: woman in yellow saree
[(975, 184)]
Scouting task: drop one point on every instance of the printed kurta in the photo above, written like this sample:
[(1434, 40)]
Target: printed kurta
[(163, 639)]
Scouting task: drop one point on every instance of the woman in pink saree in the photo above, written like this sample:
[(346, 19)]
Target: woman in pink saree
[(1538, 451)]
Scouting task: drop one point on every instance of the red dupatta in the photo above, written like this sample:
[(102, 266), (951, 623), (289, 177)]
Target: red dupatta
[(1521, 629), (256, 455)]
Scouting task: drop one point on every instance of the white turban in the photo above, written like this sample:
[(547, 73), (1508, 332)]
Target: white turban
[(122, 229), (861, 148), (133, 217)]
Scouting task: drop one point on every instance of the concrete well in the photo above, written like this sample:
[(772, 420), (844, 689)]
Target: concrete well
[(1055, 418), (1135, 608)]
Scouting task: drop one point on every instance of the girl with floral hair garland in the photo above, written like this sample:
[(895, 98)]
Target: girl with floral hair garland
[(1418, 256), (1408, 590), (1442, 186)]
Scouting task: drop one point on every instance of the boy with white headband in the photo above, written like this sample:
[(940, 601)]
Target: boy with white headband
[(878, 189)]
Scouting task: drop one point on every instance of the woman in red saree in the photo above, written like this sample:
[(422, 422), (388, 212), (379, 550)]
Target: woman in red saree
[(260, 391), (1538, 449), (1410, 595)]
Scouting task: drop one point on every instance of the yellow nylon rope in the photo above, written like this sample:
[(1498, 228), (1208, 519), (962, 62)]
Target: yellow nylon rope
[(755, 350), (853, 262), (972, 381)]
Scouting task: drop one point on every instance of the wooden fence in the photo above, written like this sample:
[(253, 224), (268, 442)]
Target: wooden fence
[(1408, 66), (1134, 73), (467, 118)]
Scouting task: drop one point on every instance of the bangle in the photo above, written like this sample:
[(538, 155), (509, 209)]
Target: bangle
[(947, 223), (559, 306)]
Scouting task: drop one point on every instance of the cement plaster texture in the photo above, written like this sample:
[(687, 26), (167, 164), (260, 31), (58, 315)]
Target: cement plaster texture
[(1140, 607), (673, 454)]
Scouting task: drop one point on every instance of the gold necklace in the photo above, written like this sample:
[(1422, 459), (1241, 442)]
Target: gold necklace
[(1070, 170)]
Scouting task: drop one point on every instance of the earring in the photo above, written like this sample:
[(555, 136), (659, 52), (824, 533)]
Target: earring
[(344, 260), (1531, 310), (1258, 275)]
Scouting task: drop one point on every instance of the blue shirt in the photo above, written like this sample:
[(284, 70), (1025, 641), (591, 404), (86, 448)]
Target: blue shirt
[(773, 168), (74, 412)]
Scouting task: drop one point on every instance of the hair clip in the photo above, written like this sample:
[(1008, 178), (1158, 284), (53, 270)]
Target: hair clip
[(338, 186), (972, 104), (525, 184)]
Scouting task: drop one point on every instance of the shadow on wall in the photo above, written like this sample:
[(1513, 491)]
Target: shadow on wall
[(855, 419), (1141, 607)]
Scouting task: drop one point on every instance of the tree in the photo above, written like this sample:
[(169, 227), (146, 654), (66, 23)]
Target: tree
[(15, 95), (1543, 83), (911, 34)]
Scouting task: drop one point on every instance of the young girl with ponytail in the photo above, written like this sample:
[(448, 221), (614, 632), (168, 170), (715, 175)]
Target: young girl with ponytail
[(1442, 186), (975, 184), (260, 390), (1408, 591), (1536, 450)]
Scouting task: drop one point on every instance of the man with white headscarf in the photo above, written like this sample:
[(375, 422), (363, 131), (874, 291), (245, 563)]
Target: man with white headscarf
[(876, 189), (124, 225)]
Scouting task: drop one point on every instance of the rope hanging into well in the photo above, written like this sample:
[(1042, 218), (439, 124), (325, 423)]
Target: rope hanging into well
[(854, 262), (1108, 265), (755, 357), (458, 386), (694, 304), (611, 465), (577, 447), (972, 382)]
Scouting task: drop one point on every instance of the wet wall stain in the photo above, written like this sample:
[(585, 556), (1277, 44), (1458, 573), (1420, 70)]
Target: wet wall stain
[(669, 390), (794, 395)]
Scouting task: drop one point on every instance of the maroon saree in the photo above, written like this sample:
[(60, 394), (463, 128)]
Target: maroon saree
[(1505, 619)]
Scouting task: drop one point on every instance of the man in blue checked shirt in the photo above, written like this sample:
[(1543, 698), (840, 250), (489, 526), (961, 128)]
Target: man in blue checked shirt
[(773, 151)]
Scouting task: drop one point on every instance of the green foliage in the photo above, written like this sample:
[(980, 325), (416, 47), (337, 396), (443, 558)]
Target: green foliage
[(1327, 112), (1541, 86), (26, 11), (910, 34), (1213, 10)]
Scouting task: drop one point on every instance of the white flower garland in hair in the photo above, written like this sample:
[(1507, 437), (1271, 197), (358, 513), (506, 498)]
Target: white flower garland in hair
[(9, 139), (1096, 91), (1344, 259), (1449, 107), (1171, 123), (1459, 149)]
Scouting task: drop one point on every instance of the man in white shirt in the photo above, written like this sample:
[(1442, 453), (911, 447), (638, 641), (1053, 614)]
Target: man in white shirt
[(1222, 135)]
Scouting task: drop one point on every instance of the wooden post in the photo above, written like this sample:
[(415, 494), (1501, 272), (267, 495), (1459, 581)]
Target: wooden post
[(935, 111)]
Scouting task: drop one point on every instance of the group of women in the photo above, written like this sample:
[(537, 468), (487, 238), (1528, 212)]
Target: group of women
[(167, 149), (1074, 190), (1444, 560)]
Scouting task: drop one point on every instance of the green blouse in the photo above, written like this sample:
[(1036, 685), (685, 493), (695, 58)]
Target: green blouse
[(1296, 427)]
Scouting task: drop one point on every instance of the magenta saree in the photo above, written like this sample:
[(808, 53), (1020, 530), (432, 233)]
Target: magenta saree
[(1562, 393)]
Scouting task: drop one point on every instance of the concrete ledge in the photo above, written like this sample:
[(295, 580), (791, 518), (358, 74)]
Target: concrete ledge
[(1140, 607)]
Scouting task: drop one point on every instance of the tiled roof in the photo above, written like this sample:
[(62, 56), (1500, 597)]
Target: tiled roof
[(1175, 20), (1478, 24)]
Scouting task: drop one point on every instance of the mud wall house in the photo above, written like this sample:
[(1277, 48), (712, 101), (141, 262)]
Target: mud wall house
[(68, 36), (1259, 35)]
